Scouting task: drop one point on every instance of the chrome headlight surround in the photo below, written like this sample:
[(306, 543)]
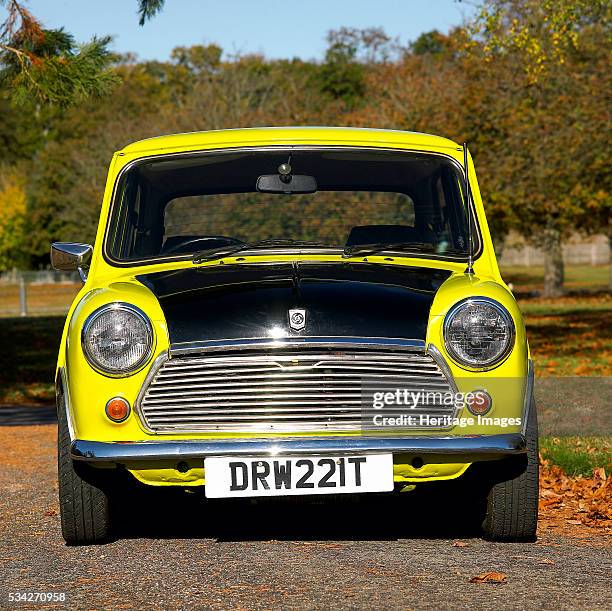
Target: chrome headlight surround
[(474, 362), (140, 317)]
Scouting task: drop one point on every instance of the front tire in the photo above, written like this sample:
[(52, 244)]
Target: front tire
[(84, 507), (512, 501)]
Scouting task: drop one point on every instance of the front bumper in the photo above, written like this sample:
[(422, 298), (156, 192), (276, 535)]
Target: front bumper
[(475, 447)]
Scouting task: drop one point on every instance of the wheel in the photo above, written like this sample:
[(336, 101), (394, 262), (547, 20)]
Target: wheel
[(84, 507), (512, 501)]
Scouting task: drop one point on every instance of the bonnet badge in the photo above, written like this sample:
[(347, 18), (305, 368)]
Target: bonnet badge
[(297, 319)]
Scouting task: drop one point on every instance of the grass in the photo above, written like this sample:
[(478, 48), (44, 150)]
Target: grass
[(578, 455), (592, 278), (570, 336)]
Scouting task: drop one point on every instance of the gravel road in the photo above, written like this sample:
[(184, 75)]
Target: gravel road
[(187, 554)]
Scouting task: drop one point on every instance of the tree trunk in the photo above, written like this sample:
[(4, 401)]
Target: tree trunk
[(553, 263)]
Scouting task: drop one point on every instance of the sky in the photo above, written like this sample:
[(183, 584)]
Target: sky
[(275, 28)]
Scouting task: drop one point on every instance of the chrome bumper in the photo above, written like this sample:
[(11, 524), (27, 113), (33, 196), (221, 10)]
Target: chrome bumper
[(476, 447)]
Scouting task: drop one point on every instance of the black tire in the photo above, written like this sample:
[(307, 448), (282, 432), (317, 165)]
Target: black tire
[(512, 501), (84, 506)]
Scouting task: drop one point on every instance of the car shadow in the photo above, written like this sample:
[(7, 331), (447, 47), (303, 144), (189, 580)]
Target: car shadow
[(24, 415), (434, 512)]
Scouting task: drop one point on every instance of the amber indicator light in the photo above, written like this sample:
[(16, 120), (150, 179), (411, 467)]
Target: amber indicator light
[(480, 403), (117, 409)]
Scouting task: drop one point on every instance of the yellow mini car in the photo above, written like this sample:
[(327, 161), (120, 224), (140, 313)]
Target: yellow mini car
[(293, 311)]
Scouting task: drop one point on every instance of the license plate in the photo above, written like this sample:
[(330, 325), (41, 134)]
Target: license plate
[(295, 475)]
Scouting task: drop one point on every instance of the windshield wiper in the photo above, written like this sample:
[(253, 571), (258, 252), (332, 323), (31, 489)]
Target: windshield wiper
[(224, 251), (372, 249)]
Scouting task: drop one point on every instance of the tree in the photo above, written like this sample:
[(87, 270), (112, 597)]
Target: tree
[(429, 43), (12, 219), (148, 9), (342, 76), (540, 50), (351, 54), (66, 180), (47, 66)]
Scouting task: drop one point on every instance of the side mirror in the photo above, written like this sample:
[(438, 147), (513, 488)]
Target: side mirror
[(70, 257)]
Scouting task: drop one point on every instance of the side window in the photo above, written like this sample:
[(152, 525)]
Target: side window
[(453, 197), (121, 241)]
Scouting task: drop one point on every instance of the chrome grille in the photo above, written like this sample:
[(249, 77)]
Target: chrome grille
[(279, 391)]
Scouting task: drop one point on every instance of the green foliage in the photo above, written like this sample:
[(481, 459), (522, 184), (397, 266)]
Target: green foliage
[(198, 59), (548, 64), (429, 43), (578, 455), (12, 219), (542, 32), (66, 182), (148, 9), (63, 79), (342, 77), (350, 55), (23, 130), (47, 66)]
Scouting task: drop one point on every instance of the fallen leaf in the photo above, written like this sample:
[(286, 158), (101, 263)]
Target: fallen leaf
[(460, 544), (577, 522), (50, 512), (489, 577), (600, 473), (547, 561)]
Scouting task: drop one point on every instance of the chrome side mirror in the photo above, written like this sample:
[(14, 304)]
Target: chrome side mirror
[(70, 257)]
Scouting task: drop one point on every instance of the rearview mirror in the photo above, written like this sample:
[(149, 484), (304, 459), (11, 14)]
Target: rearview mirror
[(71, 257), (290, 183)]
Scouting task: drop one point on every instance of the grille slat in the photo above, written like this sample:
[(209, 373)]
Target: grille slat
[(283, 390), (344, 357), (297, 376), (172, 411), (310, 399), (283, 387), (357, 367)]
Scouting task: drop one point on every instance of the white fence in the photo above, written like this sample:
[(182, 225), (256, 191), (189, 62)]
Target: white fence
[(594, 253), (45, 276), (36, 292)]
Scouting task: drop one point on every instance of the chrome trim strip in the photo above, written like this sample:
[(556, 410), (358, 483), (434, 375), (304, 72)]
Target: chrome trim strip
[(372, 343), (484, 446), (155, 367), (67, 402), (436, 355), (528, 395), (439, 359)]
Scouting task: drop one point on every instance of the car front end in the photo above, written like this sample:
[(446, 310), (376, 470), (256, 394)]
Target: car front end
[(293, 312)]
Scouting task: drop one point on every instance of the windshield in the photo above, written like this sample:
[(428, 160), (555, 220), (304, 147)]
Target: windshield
[(181, 206)]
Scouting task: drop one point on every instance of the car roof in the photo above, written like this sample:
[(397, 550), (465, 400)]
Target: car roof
[(260, 136)]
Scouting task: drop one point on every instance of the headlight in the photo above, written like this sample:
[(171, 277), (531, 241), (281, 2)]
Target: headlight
[(478, 332), (117, 339)]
